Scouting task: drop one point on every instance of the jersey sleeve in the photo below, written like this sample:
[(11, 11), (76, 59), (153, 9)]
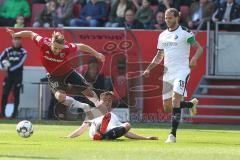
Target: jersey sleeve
[(190, 37), (159, 45), (72, 47), (38, 40)]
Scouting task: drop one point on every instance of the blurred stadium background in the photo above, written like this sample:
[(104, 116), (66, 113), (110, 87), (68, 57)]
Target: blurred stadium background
[(128, 50)]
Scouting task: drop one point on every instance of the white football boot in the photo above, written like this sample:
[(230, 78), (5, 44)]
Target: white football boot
[(171, 139)]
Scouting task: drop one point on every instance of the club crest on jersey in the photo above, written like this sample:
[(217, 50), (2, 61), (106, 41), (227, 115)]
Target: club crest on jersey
[(62, 55), (176, 37)]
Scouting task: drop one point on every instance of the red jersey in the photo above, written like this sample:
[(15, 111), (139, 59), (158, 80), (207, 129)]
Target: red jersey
[(52, 62)]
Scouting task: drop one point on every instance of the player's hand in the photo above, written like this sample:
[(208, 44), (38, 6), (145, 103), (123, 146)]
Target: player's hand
[(101, 57), (193, 62), (11, 32), (146, 73), (152, 138)]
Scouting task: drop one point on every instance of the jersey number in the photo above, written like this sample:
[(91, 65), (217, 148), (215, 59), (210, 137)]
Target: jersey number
[(181, 83)]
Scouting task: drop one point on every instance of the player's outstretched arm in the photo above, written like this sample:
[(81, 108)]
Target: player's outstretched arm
[(21, 34), (86, 48), (156, 60), (79, 131), (193, 61), (131, 135)]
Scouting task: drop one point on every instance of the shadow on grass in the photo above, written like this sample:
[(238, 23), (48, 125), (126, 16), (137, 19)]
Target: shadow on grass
[(164, 125), (26, 157), (19, 144), (160, 125), (216, 143)]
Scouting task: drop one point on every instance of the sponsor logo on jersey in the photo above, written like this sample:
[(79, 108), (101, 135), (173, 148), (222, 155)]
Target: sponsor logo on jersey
[(169, 44), (53, 59)]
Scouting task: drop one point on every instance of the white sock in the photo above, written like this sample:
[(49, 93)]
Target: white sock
[(71, 102), (94, 99)]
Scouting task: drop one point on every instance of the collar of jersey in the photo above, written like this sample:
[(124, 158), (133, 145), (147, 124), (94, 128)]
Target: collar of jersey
[(174, 29)]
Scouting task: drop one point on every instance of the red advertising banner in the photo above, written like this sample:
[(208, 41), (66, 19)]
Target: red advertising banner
[(135, 49)]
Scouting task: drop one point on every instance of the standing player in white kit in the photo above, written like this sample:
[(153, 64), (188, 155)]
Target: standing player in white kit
[(174, 46)]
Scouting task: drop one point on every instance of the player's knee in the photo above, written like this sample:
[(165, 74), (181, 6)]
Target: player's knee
[(60, 96), (167, 109), (127, 126), (176, 101), (167, 105)]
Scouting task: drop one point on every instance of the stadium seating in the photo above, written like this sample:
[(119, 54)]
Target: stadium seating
[(36, 9)]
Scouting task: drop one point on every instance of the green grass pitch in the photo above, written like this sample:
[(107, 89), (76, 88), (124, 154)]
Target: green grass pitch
[(194, 142)]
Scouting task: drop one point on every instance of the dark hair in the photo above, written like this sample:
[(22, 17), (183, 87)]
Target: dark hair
[(20, 15), (174, 11)]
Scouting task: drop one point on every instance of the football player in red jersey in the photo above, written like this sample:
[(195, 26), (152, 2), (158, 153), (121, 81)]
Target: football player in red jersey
[(62, 78)]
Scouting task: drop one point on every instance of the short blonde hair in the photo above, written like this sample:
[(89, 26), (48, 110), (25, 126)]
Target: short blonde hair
[(58, 37), (107, 93)]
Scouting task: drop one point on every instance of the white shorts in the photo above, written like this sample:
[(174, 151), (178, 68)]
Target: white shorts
[(174, 83)]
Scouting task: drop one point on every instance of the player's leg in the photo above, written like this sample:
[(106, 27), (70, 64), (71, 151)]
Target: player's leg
[(167, 92), (62, 97), (127, 126), (176, 116), (78, 85), (167, 105), (17, 87), (192, 104), (7, 85), (59, 87), (103, 127), (179, 89), (105, 121), (91, 95), (117, 132)]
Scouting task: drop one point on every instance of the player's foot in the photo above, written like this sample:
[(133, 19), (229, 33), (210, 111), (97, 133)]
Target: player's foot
[(193, 110), (106, 119), (97, 136), (171, 139)]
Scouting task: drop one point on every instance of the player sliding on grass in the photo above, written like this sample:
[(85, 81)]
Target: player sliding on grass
[(107, 127), (62, 78), (174, 46)]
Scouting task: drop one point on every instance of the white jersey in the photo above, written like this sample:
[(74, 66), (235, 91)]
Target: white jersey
[(95, 124), (176, 46)]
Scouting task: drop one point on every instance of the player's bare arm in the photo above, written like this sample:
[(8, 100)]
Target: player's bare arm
[(156, 60), (131, 135), (86, 48), (78, 132), (22, 34), (193, 61)]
